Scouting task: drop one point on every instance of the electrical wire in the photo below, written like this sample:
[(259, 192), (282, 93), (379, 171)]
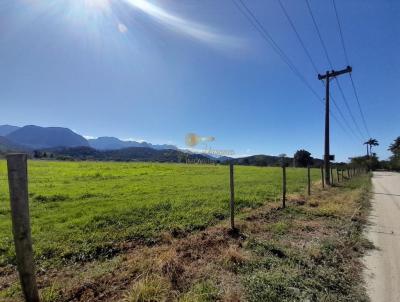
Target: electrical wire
[(325, 49), (270, 41), (298, 36), (350, 75), (313, 63)]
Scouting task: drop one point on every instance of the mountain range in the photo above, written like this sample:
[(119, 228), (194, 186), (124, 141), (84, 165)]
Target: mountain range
[(33, 137), (113, 143), (63, 143)]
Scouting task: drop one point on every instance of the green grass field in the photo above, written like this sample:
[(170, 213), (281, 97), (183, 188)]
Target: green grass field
[(82, 210)]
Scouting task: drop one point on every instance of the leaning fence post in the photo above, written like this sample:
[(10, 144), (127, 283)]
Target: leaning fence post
[(18, 184), (283, 186), (232, 203), (308, 181), (322, 177)]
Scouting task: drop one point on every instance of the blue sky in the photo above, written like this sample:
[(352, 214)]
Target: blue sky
[(156, 70)]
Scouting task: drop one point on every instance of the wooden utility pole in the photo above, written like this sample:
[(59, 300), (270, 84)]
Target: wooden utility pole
[(232, 203), (283, 186), (322, 177), (18, 184), (327, 77)]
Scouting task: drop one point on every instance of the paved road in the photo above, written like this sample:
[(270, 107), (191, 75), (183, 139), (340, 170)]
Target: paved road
[(382, 272)]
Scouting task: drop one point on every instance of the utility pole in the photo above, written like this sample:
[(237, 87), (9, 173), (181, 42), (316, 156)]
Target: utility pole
[(328, 76)]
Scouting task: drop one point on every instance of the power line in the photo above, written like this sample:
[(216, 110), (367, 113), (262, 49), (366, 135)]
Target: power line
[(340, 31), (348, 107), (312, 61), (247, 13), (343, 117), (268, 38), (347, 61), (331, 66), (298, 36), (319, 34)]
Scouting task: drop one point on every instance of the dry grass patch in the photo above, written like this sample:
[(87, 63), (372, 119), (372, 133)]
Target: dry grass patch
[(150, 288)]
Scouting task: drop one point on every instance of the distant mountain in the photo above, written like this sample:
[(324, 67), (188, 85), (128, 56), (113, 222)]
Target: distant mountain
[(36, 137), (113, 143), (7, 146), (223, 159), (7, 129), (126, 154)]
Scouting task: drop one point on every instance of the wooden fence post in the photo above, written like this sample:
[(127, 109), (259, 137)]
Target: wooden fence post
[(322, 177), (332, 176), (308, 181), (337, 174), (283, 186), (348, 173), (18, 184), (232, 203)]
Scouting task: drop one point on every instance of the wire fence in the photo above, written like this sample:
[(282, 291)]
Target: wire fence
[(87, 207)]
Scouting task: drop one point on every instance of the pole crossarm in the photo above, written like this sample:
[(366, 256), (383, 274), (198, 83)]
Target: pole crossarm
[(333, 73)]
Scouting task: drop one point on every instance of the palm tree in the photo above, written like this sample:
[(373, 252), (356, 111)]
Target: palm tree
[(367, 143), (371, 142)]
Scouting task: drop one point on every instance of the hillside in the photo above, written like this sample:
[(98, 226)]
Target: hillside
[(36, 137), (113, 143), (7, 129), (126, 154), (7, 146)]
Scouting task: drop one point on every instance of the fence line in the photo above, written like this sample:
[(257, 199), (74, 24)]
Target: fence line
[(18, 188)]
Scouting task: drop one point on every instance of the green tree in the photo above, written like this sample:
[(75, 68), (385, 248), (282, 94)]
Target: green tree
[(395, 147), (395, 158), (371, 142), (302, 158), (371, 162)]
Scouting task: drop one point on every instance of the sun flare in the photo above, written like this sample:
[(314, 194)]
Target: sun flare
[(98, 4)]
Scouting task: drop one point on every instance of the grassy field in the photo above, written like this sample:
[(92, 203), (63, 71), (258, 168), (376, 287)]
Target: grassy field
[(80, 211)]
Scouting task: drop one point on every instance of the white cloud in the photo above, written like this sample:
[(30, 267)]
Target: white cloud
[(130, 139), (89, 137), (122, 28), (195, 30)]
